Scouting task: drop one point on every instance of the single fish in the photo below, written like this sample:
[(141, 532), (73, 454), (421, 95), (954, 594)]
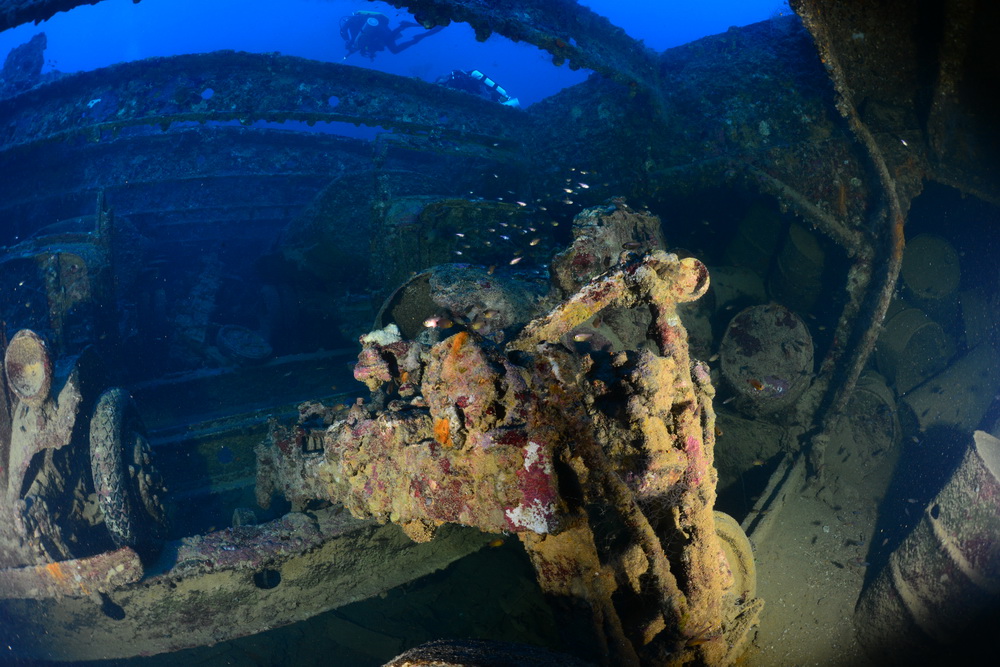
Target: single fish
[(439, 322), (769, 385)]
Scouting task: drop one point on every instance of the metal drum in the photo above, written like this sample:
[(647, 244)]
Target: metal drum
[(756, 239), (959, 396), (735, 287), (767, 358), (946, 574), (931, 274), (911, 348), (797, 277), (865, 446)]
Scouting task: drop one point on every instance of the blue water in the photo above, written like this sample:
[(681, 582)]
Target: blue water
[(114, 31)]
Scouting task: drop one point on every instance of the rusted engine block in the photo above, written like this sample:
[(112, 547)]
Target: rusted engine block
[(462, 450)]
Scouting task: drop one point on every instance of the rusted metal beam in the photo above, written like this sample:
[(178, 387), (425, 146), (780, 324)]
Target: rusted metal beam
[(897, 188), (569, 31)]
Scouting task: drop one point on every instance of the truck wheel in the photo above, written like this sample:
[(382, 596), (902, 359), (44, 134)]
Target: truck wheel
[(123, 475)]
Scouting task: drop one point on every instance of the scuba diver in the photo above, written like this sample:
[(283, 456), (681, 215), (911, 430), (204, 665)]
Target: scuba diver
[(368, 33), (477, 83)]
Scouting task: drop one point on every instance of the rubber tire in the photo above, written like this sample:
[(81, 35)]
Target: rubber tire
[(114, 421)]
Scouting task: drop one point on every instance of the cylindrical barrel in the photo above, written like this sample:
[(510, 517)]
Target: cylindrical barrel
[(872, 412), (735, 287), (756, 239), (931, 275), (958, 397), (868, 442), (911, 348), (946, 574), (767, 358), (797, 278)]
